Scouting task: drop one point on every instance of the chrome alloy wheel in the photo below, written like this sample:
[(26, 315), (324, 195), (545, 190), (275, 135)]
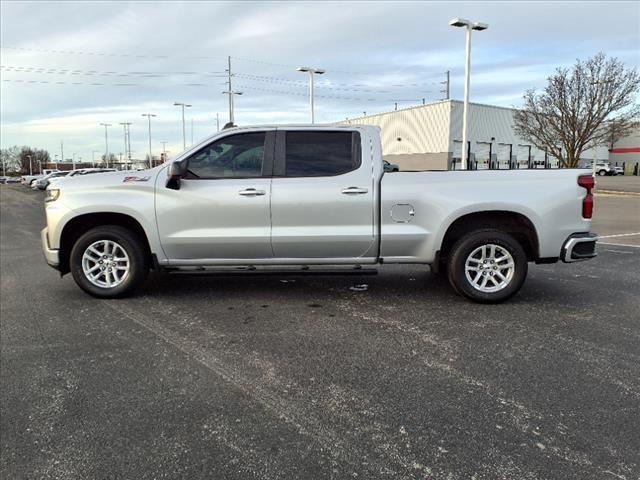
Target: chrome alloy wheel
[(105, 264), (489, 268)]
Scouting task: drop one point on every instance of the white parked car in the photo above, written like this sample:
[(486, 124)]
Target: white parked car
[(605, 168), (28, 179), (79, 173), (43, 183), (305, 195)]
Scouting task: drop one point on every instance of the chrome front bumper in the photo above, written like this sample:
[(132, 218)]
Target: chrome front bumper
[(578, 247), (51, 256)]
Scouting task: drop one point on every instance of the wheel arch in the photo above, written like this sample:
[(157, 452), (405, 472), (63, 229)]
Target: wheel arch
[(513, 223), (81, 224)]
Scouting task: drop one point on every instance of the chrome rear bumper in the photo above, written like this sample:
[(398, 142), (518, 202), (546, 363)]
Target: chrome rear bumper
[(579, 246)]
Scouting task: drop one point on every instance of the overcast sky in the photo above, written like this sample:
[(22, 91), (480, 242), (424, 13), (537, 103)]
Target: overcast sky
[(68, 66)]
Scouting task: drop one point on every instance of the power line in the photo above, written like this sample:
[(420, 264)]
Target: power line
[(166, 57), (335, 97), (100, 84), (82, 52), (70, 71)]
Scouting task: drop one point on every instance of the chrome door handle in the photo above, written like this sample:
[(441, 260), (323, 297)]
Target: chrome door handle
[(354, 191), (251, 192)]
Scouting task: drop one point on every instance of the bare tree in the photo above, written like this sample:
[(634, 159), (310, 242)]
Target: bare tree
[(11, 158), (578, 108), (32, 159)]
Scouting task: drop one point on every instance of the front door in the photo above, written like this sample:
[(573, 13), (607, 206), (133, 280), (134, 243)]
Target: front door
[(221, 211), (322, 200)]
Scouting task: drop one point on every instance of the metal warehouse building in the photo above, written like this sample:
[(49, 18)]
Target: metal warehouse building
[(428, 137)]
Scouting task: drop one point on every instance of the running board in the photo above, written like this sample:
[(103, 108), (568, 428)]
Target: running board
[(263, 271)]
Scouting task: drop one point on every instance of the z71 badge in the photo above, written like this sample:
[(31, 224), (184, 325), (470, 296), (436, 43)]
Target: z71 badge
[(136, 179)]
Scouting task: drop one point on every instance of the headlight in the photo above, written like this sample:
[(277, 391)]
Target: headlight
[(52, 195)]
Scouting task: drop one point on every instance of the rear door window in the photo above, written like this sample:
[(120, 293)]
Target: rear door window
[(321, 153)]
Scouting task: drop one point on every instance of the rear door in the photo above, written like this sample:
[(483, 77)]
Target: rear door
[(322, 200)]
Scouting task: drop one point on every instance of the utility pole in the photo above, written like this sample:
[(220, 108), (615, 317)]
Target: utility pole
[(446, 84), (230, 90), (149, 115), (312, 72), (231, 93), (106, 143)]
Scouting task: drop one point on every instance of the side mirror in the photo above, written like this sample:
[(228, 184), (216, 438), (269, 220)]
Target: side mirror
[(175, 172)]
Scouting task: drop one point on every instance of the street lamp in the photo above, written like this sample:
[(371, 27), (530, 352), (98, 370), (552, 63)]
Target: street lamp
[(106, 143), (311, 71), (183, 105), (461, 22), (30, 166), (149, 115)]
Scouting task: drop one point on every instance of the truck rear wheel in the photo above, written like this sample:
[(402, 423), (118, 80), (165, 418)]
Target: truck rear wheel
[(487, 266), (109, 262)]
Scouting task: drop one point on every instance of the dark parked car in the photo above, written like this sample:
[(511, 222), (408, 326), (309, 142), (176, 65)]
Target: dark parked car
[(390, 167)]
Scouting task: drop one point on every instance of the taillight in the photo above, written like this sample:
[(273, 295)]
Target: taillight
[(588, 182)]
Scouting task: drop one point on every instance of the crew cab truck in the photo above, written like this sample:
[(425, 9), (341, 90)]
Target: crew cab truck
[(314, 196)]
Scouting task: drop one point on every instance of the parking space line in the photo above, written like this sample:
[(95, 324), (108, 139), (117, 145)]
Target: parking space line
[(619, 244), (619, 235)]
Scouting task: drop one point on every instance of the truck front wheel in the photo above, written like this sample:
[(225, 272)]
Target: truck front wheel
[(487, 266), (108, 262)]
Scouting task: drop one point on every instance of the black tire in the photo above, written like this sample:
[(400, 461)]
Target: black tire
[(465, 247), (134, 249)]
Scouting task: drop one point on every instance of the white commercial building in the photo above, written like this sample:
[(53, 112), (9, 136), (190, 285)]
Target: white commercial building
[(429, 137)]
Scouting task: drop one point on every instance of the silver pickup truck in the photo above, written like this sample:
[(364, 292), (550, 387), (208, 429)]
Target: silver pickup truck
[(312, 197)]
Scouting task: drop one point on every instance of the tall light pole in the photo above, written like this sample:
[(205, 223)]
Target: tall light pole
[(183, 105), (461, 22), (30, 166), (73, 160), (106, 143), (149, 115), (127, 140), (164, 151), (312, 72)]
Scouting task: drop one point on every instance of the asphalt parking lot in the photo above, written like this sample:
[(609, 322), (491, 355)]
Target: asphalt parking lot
[(287, 377)]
